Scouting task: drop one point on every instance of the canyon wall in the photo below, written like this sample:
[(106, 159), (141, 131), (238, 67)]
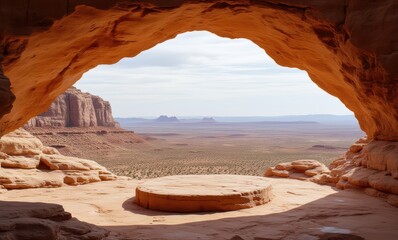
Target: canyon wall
[(349, 48), (75, 109)]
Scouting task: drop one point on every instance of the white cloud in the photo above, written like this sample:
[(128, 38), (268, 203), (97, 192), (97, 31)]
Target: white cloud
[(199, 73)]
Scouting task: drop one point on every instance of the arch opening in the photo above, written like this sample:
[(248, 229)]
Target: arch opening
[(231, 82), (200, 74)]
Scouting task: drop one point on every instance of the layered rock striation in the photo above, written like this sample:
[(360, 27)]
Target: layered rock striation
[(75, 109), (26, 163), (203, 193), (371, 166), (348, 48)]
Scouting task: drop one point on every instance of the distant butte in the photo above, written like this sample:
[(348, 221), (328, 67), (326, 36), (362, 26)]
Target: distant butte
[(208, 120), (166, 119)]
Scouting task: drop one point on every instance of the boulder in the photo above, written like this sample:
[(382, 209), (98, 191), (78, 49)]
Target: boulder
[(368, 165), (317, 170), (30, 178), (20, 162), (302, 169), (356, 147), (305, 164), (26, 163), (81, 177), (60, 162), (359, 176), (20, 143)]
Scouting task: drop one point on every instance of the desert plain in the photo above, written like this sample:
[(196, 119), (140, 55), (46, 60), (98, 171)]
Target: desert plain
[(246, 148)]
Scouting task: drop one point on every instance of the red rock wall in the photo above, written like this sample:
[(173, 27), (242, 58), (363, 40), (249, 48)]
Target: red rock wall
[(347, 47), (75, 109)]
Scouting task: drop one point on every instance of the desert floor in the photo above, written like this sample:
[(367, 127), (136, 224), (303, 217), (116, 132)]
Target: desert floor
[(299, 210), (161, 149)]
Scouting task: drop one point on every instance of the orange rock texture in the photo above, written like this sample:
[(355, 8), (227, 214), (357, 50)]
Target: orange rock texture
[(348, 47), (26, 163), (203, 193), (368, 165)]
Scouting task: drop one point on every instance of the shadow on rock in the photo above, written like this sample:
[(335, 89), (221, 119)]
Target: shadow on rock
[(39, 221)]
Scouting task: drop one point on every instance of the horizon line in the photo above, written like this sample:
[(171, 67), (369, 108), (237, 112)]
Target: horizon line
[(191, 116)]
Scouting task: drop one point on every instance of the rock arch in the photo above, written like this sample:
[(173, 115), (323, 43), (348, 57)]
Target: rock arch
[(348, 48)]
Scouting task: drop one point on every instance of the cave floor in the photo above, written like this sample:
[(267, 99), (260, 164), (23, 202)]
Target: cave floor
[(299, 210)]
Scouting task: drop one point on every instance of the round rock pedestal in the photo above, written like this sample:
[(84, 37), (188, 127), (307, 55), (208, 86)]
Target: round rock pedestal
[(203, 193)]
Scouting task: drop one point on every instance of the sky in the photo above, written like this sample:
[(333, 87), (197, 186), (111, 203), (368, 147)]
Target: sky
[(201, 74)]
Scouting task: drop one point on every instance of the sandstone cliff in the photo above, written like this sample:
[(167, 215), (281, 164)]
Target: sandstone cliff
[(75, 109)]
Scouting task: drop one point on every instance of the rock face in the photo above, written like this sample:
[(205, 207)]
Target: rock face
[(327, 39), (24, 220), (203, 193), (368, 165), (26, 163), (75, 109), (6, 96)]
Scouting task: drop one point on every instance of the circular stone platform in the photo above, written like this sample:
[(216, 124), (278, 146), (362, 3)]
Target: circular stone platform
[(203, 193)]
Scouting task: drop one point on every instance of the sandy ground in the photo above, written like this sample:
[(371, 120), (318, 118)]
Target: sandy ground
[(160, 149), (300, 210)]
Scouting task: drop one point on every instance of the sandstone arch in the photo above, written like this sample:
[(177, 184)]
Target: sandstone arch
[(348, 48)]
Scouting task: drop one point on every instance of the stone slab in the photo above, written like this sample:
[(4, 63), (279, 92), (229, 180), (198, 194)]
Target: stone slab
[(203, 193)]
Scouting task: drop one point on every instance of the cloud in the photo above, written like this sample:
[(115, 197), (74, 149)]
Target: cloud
[(201, 73)]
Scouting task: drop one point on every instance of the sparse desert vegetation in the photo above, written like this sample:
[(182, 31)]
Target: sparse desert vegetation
[(162, 149)]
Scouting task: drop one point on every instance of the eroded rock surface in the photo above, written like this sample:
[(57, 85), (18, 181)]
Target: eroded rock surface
[(24, 220), (348, 48), (368, 165), (26, 163), (75, 109), (299, 210), (203, 193), (7, 98)]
